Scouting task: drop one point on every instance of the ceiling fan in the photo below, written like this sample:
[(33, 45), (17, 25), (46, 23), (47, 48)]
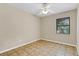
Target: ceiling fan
[(45, 9)]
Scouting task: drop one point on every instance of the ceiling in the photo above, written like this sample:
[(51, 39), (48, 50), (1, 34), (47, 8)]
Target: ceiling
[(34, 8)]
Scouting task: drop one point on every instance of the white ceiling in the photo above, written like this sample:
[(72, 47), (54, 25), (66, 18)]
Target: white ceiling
[(34, 8)]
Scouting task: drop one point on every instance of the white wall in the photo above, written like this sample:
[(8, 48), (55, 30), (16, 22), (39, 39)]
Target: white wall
[(78, 30), (48, 28), (17, 27)]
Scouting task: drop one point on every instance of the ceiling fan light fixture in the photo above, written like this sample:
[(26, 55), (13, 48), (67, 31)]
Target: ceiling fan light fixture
[(45, 11)]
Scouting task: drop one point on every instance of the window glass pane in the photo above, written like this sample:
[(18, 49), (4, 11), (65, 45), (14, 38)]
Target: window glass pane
[(64, 21), (63, 30)]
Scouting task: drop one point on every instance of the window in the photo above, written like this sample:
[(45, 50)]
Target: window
[(63, 25)]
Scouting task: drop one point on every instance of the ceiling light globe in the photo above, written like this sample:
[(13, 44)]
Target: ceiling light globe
[(44, 12)]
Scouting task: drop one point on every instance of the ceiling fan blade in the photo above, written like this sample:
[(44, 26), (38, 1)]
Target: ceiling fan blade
[(51, 11)]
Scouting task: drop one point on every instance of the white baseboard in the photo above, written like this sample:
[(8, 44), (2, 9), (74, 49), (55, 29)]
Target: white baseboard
[(59, 42), (18, 46), (34, 41)]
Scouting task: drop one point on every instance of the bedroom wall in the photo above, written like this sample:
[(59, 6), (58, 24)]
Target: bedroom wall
[(17, 27), (48, 28), (78, 29)]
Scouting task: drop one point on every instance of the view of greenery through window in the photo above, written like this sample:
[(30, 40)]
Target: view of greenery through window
[(63, 25)]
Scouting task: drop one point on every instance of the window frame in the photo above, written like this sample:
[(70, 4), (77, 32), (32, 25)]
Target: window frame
[(64, 18)]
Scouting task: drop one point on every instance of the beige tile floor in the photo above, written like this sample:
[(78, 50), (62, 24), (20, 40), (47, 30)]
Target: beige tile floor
[(42, 48)]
